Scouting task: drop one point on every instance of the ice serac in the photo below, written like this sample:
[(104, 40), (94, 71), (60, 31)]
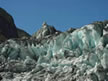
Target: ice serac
[(80, 55)]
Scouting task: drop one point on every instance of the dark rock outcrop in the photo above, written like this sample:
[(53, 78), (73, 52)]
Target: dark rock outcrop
[(7, 26), (70, 30), (8, 29), (22, 33)]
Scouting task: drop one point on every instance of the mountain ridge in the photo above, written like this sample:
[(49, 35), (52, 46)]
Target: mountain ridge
[(7, 27)]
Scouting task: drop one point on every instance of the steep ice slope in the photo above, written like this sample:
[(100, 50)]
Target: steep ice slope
[(77, 56)]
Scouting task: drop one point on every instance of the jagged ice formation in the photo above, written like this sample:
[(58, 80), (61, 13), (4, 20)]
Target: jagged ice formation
[(80, 55)]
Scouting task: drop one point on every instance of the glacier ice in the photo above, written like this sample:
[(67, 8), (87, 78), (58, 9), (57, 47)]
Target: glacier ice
[(77, 56)]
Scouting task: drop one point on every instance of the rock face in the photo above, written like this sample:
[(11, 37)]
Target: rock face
[(70, 30), (7, 27), (80, 55), (22, 33)]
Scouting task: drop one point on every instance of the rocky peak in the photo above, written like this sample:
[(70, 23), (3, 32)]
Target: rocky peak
[(44, 25), (46, 30)]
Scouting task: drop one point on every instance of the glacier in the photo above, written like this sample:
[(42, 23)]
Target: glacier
[(81, 55)]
